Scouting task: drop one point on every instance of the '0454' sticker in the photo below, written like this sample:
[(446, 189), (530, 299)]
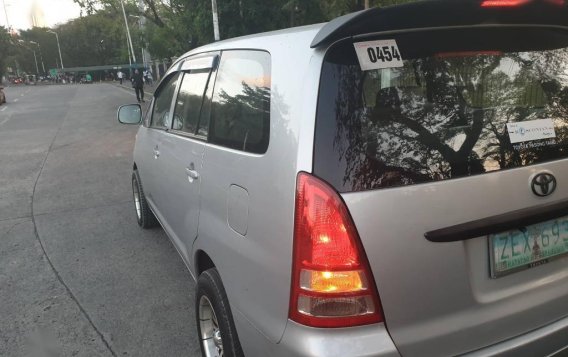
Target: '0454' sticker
[(378, 54)]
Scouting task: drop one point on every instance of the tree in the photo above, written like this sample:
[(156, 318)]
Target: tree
[(175, 26), (6, 45)]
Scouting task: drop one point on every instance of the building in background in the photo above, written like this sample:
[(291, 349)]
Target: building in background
[(37, 16)]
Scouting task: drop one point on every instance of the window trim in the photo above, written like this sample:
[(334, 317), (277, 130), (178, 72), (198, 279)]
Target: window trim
[(186, 72), (215, 56)]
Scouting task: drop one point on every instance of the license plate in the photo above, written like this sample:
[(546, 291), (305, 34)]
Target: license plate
[(527, 247)]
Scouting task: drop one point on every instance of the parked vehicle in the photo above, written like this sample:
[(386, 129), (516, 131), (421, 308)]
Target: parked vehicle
[(2, 95), (394, 182)]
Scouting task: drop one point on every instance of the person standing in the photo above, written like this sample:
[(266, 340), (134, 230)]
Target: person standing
[(120, 76), (138, 84)]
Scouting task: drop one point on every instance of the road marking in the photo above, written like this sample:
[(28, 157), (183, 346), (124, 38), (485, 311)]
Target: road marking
[(15, 100), (5, 120), (1, 110), (21, 95)]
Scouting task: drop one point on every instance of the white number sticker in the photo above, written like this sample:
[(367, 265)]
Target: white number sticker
[(378, 54)]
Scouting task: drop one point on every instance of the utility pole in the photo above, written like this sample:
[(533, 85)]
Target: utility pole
[(58, 47), (129, 57), (215, 20), (6, 14), (145, 53), (128, 32)]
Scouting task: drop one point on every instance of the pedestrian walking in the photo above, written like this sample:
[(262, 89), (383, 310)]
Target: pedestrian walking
[(138, 84), (120, 76)]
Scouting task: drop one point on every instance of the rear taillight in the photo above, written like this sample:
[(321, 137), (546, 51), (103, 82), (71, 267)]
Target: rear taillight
[(332, 285), (515, 3), (504, 3)]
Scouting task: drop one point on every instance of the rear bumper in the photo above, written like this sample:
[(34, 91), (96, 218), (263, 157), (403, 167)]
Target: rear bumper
[(364, 341), (550, 340), (302, 341)]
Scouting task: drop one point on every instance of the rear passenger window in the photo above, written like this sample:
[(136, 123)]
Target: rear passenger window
[(188, 102), (240, 113), (162, 103)]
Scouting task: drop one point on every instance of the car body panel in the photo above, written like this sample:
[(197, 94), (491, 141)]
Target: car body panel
[(439, 298), (264, 253), (180, 193), (147, 140)]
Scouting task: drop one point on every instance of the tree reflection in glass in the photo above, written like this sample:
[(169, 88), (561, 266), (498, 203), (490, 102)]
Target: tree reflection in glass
[(445, 116)]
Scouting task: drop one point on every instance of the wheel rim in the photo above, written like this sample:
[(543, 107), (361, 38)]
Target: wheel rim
[(136, 192), (211, 338)]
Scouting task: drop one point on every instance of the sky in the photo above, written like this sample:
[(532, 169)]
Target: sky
[(54, 12)]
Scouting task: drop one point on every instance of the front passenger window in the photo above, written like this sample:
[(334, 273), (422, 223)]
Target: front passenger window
[(188, 102), (163, 101)]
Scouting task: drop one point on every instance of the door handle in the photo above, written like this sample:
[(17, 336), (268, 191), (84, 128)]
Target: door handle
[(156, 152), (192, 175)]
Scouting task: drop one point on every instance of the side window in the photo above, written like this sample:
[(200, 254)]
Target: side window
[(240, 112), (189, 100), (162, 102)]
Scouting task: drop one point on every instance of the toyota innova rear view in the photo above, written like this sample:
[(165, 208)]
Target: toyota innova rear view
[(391, 183)]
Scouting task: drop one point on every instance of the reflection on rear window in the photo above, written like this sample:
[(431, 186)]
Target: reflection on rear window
[(458, 109)]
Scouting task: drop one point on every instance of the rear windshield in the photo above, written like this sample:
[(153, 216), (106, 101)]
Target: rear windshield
[(461, 103)]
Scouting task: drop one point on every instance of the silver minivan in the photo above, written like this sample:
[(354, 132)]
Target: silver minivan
[(394, 182)]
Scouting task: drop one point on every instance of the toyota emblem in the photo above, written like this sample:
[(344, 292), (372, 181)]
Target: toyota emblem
[(543, 184)]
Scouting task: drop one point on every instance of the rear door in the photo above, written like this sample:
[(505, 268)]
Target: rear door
[(466, 128)]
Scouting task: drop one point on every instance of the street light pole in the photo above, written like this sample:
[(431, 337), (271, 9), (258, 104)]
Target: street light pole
[(128, 31), (139, 20), (58, 47), (40, 55), (35, 58)]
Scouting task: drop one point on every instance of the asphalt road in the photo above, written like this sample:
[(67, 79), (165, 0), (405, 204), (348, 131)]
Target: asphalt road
[(77, 275)]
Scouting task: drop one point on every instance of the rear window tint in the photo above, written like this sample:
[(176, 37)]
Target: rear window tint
[(472, 103)]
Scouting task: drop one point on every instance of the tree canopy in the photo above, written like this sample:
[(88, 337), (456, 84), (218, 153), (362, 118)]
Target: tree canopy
[(172, 27)]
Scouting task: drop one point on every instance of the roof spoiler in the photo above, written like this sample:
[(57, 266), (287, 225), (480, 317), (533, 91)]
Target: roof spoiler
[(442, 13)]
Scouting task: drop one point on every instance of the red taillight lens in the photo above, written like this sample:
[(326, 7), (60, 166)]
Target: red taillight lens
[(332, 285), (504, 3), (516, 3)]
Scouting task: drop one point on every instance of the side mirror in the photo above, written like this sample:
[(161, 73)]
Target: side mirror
[(129, 114)]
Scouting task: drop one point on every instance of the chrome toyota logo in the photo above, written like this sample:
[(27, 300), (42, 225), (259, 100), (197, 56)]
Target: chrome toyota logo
[(543, 184)]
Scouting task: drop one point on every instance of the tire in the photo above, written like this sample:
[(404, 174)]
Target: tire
[(144, 214), (215, 326)]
